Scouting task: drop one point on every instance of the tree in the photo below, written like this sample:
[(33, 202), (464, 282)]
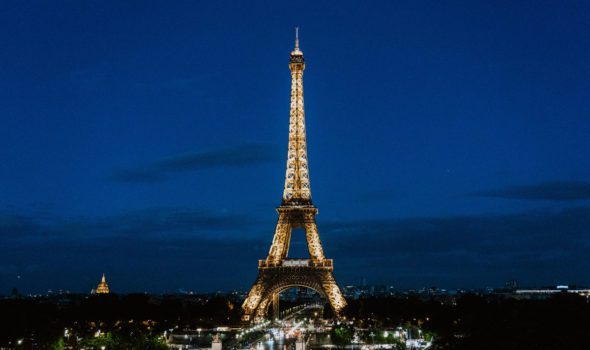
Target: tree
[(58, 345), (342, 335)]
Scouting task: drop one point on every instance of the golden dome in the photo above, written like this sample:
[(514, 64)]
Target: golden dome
[(103, 287)]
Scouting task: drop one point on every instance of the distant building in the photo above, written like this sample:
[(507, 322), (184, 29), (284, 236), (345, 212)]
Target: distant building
[(543, 293), (103, 287), (511, 285)]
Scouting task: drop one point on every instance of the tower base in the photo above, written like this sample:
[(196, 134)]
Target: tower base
[(291, 273)]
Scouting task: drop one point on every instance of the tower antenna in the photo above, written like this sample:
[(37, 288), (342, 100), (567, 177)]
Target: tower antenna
[(296, 38)]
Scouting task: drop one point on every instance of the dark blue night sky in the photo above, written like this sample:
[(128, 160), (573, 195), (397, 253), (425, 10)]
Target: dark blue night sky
[(448, 141)]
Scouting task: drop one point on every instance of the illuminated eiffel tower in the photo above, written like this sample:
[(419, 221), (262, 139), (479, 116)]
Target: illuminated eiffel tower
[(277, 273)]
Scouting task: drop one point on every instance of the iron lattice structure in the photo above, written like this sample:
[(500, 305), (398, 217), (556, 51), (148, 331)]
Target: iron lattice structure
[(277, 273)]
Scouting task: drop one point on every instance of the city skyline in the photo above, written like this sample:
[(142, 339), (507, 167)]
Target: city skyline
[(447, 143)]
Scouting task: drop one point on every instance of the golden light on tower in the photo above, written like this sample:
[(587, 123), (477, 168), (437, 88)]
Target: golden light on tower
[(103, 287), (277, 273)]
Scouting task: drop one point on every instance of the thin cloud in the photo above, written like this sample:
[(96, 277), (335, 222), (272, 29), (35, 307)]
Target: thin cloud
[(552, 191), (137, 176), (244, 155), (468, 250), (377, 196), (154, 223), (173, 246), (248, 154), (465, 250), (534, 231)]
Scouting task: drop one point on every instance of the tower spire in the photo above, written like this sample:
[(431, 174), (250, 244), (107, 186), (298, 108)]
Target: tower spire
[(297, 54)]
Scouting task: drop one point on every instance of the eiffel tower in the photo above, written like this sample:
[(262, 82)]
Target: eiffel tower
[(277, 272)]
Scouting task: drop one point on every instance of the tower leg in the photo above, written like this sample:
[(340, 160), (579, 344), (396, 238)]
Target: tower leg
[(275, 306), (281, 240), (333, 293), (253, 300)]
